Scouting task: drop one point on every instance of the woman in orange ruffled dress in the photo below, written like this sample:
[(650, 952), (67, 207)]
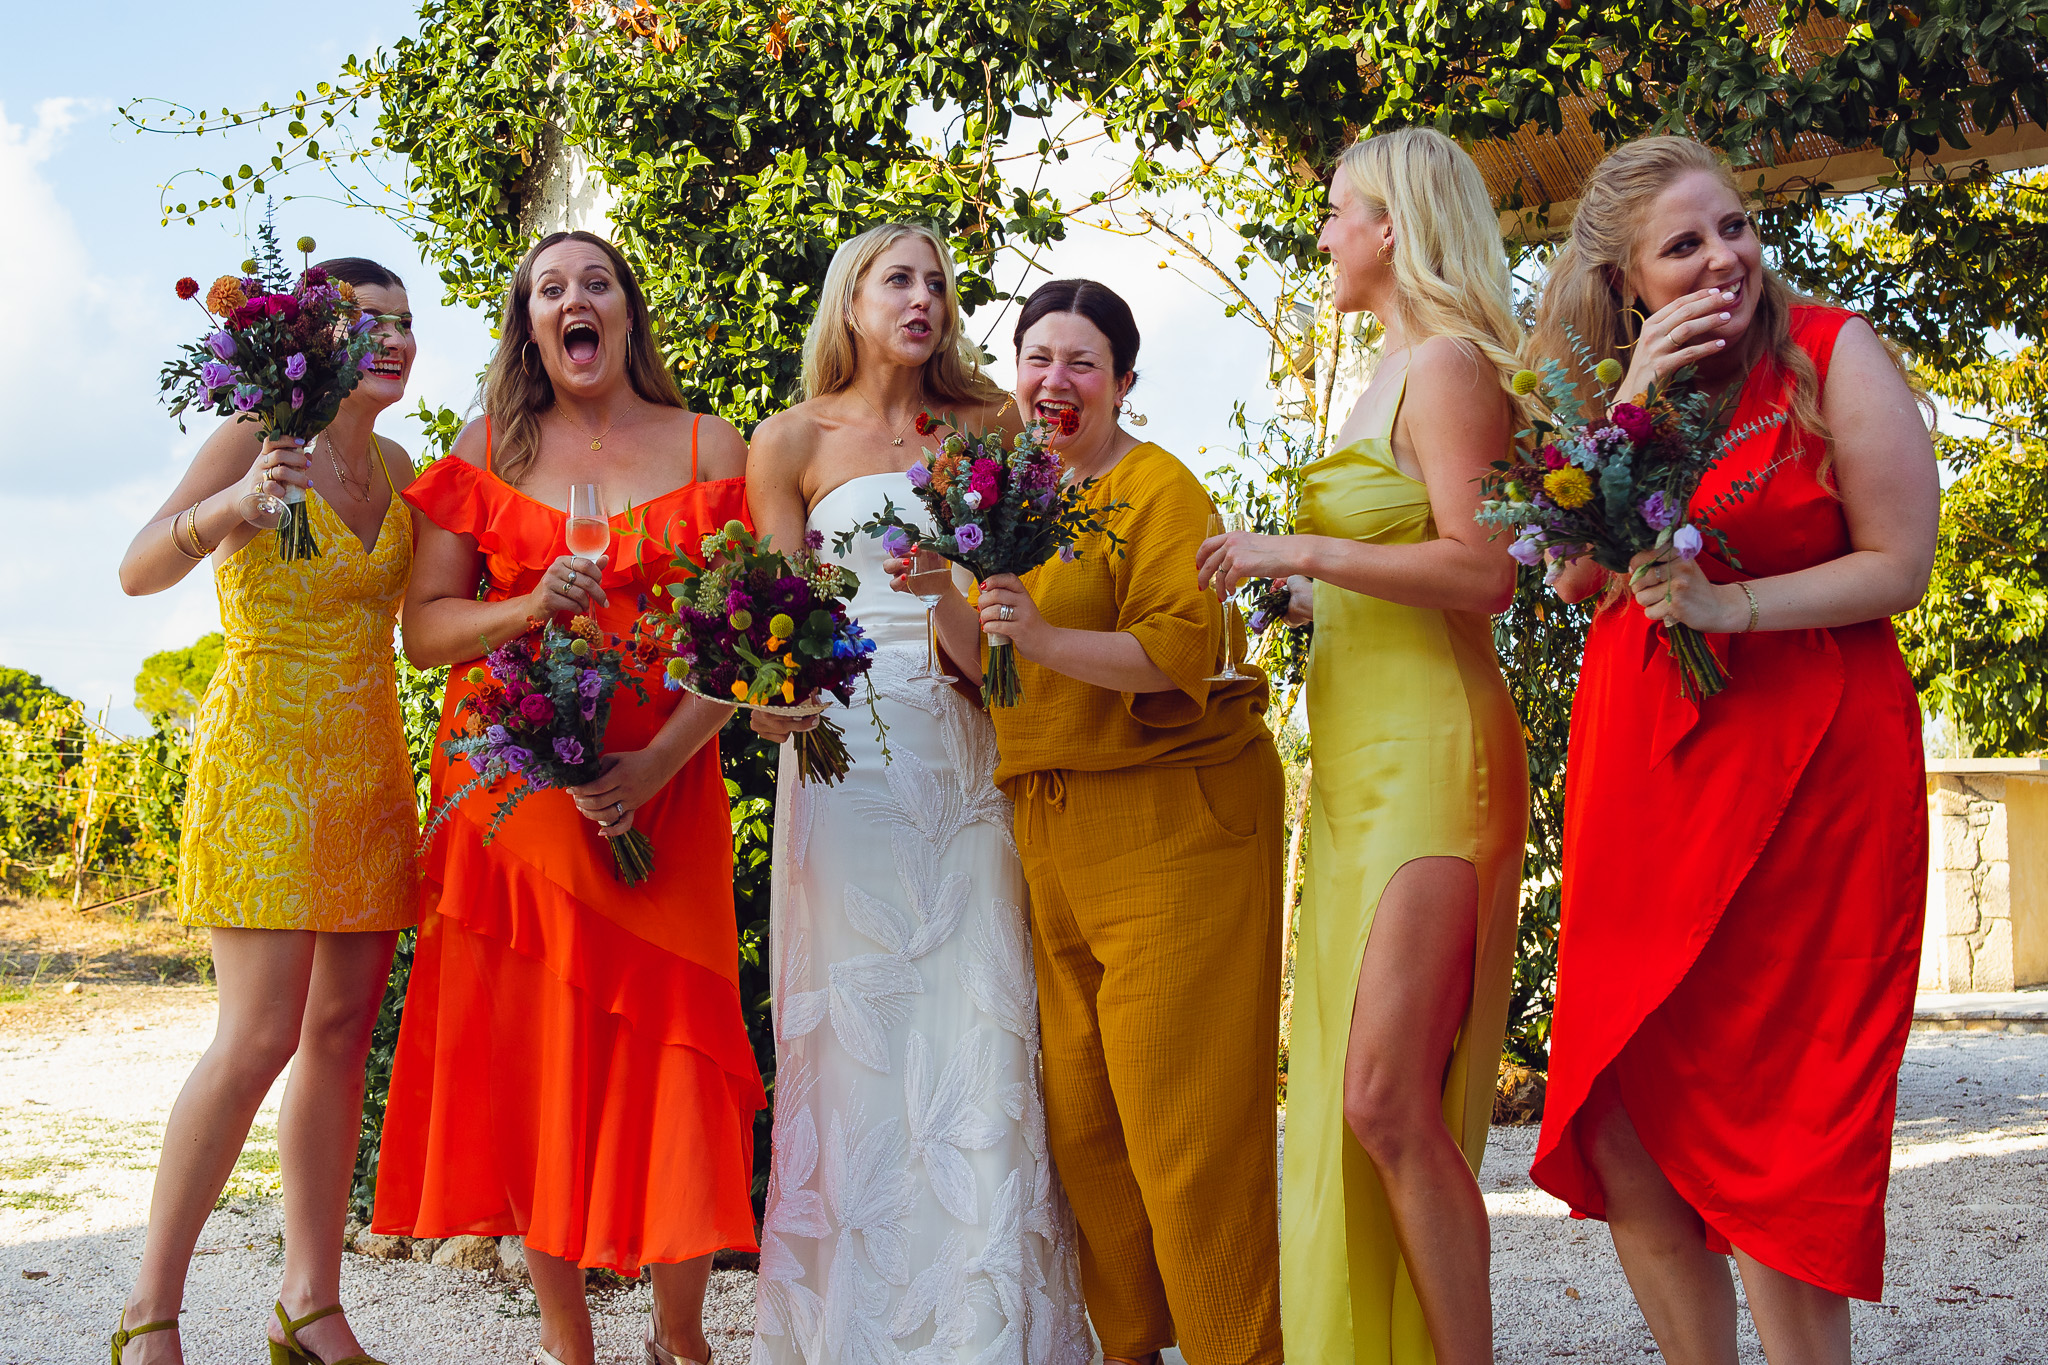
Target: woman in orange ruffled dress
[(573, 1067)]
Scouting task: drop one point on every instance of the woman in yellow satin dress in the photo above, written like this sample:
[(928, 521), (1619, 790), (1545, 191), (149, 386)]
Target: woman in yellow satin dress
[(300, 821), (1420, 799)]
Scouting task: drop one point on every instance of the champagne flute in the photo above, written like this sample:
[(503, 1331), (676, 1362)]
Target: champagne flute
[(928, 575), (589, 532), (1223, 523)]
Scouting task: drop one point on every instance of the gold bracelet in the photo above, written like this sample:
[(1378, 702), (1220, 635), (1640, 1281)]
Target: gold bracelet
[(192, 530), (1752, 607), (176, 518)]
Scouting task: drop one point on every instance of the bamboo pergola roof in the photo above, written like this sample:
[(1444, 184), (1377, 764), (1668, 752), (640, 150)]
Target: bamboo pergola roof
[(1541, 172)]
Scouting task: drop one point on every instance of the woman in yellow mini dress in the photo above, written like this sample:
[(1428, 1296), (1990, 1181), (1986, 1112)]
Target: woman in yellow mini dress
[(297, 851), (1420, 800), (1149, 816)]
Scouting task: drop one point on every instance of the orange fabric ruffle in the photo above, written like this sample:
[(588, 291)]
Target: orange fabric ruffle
[(573, 1064)]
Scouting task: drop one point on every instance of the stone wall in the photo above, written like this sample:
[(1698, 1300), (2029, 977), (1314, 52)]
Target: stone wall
[(1987, 923)]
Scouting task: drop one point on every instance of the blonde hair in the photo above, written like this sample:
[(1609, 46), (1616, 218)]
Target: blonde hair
[(516, 387), (1587, 294), (831, 347), (1449, 265)]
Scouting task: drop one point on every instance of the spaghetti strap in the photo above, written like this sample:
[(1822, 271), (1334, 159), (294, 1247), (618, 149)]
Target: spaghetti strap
[(1394, 415), (695, 422), (487, 445), (378, 447)]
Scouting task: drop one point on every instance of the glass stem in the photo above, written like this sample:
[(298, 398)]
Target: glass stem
[(931, 642)]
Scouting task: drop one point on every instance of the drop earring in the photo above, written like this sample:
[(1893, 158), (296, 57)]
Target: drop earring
[(1386, 253), (1136, 419)]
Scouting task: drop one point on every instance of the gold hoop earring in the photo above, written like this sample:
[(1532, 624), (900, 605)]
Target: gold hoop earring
[(1637, 318), (1386, 253), (525, 363)]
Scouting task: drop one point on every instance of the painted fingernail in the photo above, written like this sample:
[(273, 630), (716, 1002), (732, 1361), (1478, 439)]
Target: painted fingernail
[(1720, 343), (1724, 317)]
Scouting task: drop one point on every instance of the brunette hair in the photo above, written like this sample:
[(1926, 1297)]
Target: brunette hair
[(1449, 266), (832, 346), (516, 391), (359, 271), (1588, 295), (1099, 304)]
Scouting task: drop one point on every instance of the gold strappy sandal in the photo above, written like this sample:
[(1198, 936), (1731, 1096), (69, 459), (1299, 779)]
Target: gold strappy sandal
[(289, 1352), (123, 1334)]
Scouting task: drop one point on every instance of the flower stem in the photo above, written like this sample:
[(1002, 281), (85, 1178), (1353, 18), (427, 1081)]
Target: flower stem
[(632, 857), (821, 754), (295, 533), (1000, 685)]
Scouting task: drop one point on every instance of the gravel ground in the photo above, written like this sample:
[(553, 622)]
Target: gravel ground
[(86, 1081)]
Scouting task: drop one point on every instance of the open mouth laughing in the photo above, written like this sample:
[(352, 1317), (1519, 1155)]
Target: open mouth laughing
[(581, 342)]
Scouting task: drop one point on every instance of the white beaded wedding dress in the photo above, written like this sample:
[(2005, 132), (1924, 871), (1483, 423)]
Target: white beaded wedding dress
[(913, 1214)]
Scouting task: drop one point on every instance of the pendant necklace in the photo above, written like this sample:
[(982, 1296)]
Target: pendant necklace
[(597, 441), (883, 420), (348, 485)]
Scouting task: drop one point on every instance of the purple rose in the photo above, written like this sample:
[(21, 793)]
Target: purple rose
[(1657, 511), (588, 710), (362, 324), (1258, 622), (1687, 541), (1527, 549), (215, 375), (368, 362), (589, 685), (894, 543), (497, 735), (247, 396), (968, 538), (295, 366), (1068, 554), (517, 758), (298, 398), (222, 344), (919, 474), (568, 750)]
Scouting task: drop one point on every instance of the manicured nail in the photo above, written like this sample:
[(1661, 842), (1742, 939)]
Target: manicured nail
[(1724, 317), (1720, 343)]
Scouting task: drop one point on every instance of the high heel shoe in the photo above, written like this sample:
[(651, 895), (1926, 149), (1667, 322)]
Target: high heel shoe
[(289, 1352), (658, 1354), (123, 1334)]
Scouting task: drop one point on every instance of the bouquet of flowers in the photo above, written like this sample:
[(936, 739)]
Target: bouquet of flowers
[(538, 714), (288, 351), (1611, 487), (1271, 599), (770, 631), (997, 511)]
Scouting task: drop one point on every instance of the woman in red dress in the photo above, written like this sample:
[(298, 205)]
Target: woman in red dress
[(1743, 879), (573, 1066)]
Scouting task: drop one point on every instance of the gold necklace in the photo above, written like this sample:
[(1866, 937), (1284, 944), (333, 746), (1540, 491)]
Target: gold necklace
[(883, 420), (348, 485), (597, 441)]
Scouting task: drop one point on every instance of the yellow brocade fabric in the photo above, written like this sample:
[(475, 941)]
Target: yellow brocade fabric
[(299, 806), (1418, 753)]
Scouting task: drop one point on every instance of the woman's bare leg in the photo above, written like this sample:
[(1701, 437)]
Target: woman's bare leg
[(1800, 1323), (318, 1125), (679, 1308), (564, 1311), (263, 976), (1414, 985), (1683, 1289)]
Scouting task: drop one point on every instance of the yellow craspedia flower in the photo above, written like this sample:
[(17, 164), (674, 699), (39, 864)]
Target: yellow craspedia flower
[(780, 626), (1525, 382), (678, 670), (580, 648), (739, 689), (1568, 487), (1608, 371)]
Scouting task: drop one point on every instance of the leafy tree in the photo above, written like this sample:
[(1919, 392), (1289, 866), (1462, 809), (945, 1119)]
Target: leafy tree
[(173, 682), (23, 694)]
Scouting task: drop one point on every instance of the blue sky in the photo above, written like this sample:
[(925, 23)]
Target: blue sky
[(87, 453)]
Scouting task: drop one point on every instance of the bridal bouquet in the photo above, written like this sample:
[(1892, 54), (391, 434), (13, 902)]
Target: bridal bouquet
[(287, 350), (1611, 487), (538, 715), (997, 511), (769, 631)]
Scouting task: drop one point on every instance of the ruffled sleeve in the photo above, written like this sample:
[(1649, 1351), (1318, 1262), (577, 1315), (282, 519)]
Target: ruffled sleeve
[(457, 496)]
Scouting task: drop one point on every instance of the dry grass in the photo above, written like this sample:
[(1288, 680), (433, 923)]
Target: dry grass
[(46, 946)]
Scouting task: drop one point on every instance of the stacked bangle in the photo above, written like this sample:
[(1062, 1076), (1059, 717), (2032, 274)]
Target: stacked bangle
[(200, 549)]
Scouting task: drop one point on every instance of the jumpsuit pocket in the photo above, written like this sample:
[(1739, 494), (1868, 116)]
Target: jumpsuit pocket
[(1227, 799)]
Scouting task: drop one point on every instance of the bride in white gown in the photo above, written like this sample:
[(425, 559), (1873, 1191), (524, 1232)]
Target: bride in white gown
[(913, 1214)]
